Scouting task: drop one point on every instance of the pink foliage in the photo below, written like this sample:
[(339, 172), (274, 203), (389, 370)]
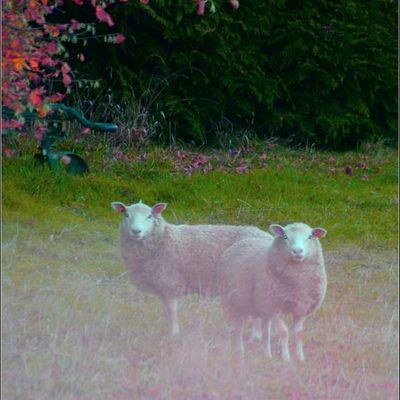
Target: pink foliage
[(75, 25), (104, 16), (35, 97), (56, 97), (67, 80), (28, 53), (65, 68), (200, 7), (33, 57), (39, 132), (234, 4), (14, 123), (119, 38)]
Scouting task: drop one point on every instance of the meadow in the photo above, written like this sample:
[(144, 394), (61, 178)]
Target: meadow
[(74, 327)]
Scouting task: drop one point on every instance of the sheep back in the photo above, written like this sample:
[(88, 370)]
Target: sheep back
[(181, 259)]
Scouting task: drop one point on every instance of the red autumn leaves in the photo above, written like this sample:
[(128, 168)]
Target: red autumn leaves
[(33, 54), (65, 69), (29, 55), (103, 16)]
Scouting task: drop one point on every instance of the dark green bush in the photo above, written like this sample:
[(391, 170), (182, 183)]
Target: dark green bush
[(312, 71)]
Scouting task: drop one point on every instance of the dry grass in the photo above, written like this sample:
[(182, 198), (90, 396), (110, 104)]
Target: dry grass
[(75, 328)]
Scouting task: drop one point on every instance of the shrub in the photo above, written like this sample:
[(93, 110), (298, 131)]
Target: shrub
[(313, 72)]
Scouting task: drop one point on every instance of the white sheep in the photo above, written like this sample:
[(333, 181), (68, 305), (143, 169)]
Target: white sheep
[(170, 260), (268, 280)]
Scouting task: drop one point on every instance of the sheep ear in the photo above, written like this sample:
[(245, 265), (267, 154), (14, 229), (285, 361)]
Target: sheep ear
[(120, 207), (318, 233), (277, 230), (158, 208)]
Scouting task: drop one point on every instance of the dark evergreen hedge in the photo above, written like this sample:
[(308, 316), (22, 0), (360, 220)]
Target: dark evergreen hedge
[(315, 71)]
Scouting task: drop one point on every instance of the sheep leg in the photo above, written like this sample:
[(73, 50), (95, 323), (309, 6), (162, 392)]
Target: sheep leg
[(298, 336), (283, 338), (237, 322), (256, 330), (171, 315), (267, 336), (237, 339)]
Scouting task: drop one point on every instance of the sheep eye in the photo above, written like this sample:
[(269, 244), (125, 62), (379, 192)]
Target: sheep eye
[(310, 237), (126, 215), (285, 236), (150, 216)]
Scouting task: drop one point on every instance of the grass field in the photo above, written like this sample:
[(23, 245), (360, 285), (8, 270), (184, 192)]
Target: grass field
[(73, 327)]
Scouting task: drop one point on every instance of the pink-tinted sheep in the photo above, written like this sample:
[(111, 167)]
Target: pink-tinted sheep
[(170, 260), (268, 280)]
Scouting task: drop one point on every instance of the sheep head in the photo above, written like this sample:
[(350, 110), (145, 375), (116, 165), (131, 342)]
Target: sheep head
[(139, 220), (297, 239)]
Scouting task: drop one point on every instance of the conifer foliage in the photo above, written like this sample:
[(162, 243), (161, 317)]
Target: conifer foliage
[(315, 71)]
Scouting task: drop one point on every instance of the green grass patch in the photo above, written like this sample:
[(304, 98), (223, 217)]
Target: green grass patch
[(294, 186)]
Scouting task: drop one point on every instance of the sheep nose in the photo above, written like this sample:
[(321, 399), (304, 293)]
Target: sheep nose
[(136, 231), (297, 251)]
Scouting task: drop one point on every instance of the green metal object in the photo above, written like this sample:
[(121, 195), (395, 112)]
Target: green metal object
[(57, 161), (72, 113), (70, 162)]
